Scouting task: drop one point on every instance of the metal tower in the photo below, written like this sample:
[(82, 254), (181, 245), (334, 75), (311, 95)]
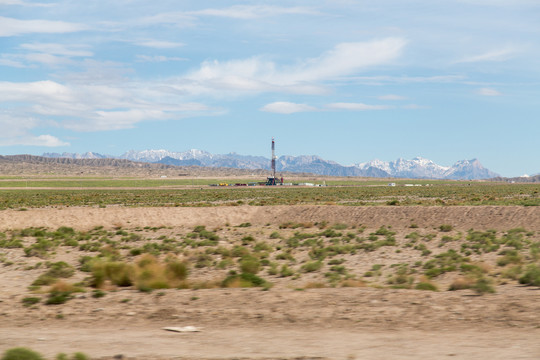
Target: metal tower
[(273, 159)]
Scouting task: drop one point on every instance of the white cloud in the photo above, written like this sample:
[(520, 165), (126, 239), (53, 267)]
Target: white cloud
[(24, 3), (392, 97), (58, 49), (283, 107), (158, 44), (13, 27), (489, 92), (253, 11), (258, 74), (158, 58), (357, 106), (30, 140), (92, 107), (494, 55), (10, 62), (380, 80), (15, 130)]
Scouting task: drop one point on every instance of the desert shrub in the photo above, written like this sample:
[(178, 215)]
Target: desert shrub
[(461, 283), (340, 226), (239, 251), (243, 280), (250, 265), (21, 353), (285, 256), (176, 270), (225, 263), (58, 297), (531, 276), (286, 271), (29, 301), (312, 266), (118, 273), (244, 225), (426, 286), (135, 251), (352, 283), (483, 285), (44, 279), (513, 272), (247, 240), (11, 243), (98, 294), (80, 356), (60, 269), (262, 246), (203, 260), (384, 231), (76, 356), (336, 261), (509, 257), (446, 228), (414, 236), (275, 235), (40, 248), (483, 241), (330, 233), (339, 269)]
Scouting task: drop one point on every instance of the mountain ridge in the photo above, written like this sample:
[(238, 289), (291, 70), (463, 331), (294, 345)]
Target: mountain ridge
[(416, 168)]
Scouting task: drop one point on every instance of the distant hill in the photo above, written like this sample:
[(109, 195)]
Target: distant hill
[(520, 179), (417, 168)]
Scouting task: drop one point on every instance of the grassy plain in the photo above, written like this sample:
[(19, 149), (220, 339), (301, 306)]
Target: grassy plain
[(475, 194)]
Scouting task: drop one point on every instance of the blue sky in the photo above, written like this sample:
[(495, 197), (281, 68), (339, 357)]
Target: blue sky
[(347, 80)]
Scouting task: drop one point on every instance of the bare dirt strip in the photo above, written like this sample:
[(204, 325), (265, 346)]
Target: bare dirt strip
[(460, 217)]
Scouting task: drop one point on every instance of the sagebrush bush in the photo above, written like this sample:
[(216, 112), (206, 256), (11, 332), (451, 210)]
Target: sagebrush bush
[(146, 274), (461, 283), (21, 353), (426, 286), (483, 285), (531, 276), (250, 265), (446, 228), (312, 266), (244, 280)]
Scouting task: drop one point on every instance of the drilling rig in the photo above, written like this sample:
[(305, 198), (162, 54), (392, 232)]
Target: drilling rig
[(272, 180)]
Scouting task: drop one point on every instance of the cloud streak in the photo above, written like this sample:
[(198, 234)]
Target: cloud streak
[(14, 27), (306, 76), (284, 107)]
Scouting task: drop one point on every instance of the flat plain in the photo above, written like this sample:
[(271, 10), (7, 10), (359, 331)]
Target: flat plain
[(354, 270)]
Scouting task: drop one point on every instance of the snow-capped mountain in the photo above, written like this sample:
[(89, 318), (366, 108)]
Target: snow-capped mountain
[(469, 169), (415, 168), (424, 168), (400, 168), (86, 155), (157, 155)]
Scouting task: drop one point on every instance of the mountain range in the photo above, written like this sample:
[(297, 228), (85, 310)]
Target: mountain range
[(417, 168)]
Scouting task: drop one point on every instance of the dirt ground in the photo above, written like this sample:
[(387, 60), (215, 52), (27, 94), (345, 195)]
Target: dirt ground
[(460, 217), (284, 322)]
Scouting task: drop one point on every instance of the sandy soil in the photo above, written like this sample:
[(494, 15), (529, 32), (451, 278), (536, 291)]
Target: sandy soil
[(282, 323), (460, 217)]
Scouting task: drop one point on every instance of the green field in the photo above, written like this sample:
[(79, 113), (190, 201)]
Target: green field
[(442, 194)]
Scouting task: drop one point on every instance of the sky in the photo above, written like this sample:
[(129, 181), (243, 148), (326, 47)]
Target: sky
[(349, 81)]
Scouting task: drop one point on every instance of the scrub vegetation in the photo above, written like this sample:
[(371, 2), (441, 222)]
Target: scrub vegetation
[(291, 254)]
